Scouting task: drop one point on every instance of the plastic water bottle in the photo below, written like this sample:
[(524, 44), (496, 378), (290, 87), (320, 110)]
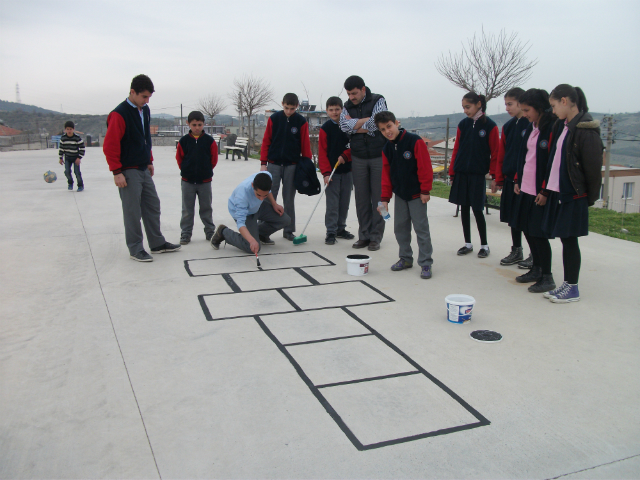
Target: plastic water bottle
[(384, 212)]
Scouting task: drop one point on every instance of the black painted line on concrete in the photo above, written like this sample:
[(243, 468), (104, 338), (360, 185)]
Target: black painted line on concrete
[(191, 274), (286, 297), (210, 318), (482, 420), (231, 282), (323, 401), (369, 379), (444, 431), (328, 339), (126, 369), (595, 466), (306, 276), (205, 308)]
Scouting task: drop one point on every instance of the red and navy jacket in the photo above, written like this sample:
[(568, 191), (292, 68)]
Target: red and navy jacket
[(286, 139), (406, 167), (506, 165), (476, 147), (333, 143), (543, 148), (126, 144), (197, 157)]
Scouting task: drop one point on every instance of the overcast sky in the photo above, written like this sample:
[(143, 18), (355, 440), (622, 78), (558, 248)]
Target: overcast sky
[(81, 56)]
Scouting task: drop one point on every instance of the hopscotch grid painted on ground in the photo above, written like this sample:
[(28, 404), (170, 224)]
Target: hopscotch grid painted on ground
[(315, 389)]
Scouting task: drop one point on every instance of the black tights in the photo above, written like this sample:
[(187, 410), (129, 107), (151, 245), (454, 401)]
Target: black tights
[(540, 253), (465, 215), (571, 259), (516, 237)]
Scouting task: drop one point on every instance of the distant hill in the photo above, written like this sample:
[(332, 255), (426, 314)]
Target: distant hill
[(13, 106), (625, 150)]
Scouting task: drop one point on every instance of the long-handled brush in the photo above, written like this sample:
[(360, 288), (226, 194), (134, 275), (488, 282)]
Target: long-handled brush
[(302, 237)]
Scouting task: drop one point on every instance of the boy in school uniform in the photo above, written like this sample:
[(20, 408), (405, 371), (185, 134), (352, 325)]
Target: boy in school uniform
[(407, 172), (197, 156), (333, 147), (252, 202), (286, 140), (71, 153)]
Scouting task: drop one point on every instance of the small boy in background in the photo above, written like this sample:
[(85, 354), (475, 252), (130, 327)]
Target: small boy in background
[(197, 156), (71, 153), (286, 140), (407, 172), (333, 147)]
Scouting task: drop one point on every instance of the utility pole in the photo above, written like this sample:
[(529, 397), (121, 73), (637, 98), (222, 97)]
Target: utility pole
[(607, 161), (446, 153), (181, 132)]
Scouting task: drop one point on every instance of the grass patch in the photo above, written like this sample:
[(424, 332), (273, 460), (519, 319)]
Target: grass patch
[(610, 223), (605, 222)]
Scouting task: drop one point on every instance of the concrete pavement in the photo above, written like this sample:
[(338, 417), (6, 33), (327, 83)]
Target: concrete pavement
[(110, 368)]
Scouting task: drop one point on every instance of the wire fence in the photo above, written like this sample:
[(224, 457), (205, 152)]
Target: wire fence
[(622, 206)]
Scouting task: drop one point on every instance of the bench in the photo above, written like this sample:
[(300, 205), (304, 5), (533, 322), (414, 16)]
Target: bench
[(487, 205), (241, 146)]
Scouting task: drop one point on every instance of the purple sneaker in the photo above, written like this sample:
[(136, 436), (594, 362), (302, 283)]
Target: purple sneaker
[(569, 294), (426, 272), (401, 265)]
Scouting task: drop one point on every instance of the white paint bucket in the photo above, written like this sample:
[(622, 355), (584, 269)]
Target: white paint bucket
[(459, 307), (358, 265)]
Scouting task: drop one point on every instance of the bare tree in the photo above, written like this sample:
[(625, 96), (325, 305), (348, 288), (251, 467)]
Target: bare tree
[(489, 64), (250, 94), (212, 105)]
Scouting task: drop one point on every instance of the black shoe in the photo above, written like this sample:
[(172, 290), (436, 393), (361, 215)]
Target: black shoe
[(265, 240), (464, 250), (373, 246), (141, 256), (484, 252), (514, 257), (330, 239), (526, 264), (167, 247), (361, 244), (532, 275), (209, 235), (185, 239), (289, 236), (344, 234), (545, 284), (217, 237)]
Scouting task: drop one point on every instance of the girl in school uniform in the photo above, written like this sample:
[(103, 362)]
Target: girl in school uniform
[(506, 167), (528, 186), (475, 150), (573, 180)]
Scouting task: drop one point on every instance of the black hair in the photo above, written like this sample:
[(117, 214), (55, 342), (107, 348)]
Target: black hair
[(334, 102), (352, 82), (68, 124), (141, 83), (575, 94), (538, 99), (263, 182), (195, 115), (514, 92), (384, 117), (291, 99), (475, 98)]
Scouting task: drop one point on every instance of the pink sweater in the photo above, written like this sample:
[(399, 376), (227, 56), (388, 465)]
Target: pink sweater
[(554, 177), (528, 184)]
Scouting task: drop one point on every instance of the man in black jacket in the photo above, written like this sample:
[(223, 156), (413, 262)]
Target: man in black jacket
[(366, 152)]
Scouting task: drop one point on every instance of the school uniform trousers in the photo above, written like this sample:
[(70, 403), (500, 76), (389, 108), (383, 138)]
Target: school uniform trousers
[(140, 201), (285, 174), (407, 213), (264, 222), (338, 195), (189, 193), (367, 183)]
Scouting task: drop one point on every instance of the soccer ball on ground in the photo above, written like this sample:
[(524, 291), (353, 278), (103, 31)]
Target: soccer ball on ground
[(50, 176)]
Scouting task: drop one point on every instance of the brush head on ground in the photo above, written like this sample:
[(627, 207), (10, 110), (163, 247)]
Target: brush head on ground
[(299, 239)]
